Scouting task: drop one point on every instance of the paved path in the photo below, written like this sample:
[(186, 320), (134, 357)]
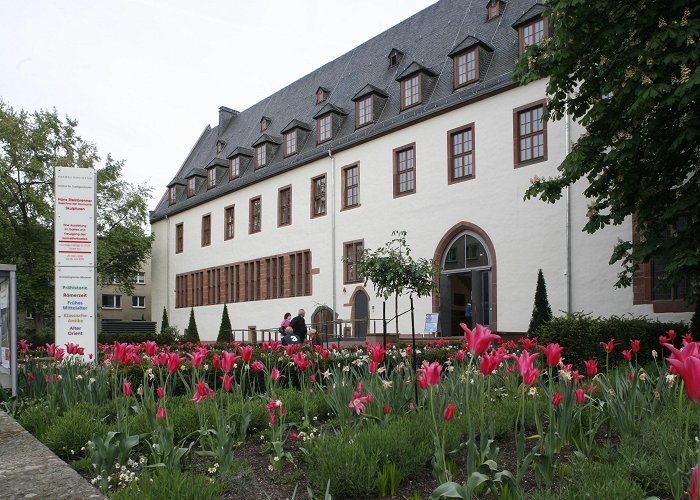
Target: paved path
[(28, 469)]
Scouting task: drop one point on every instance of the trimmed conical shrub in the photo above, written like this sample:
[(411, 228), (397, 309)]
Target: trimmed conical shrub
[(191, 334), (541, 312), (225, 328), (164, 323), (695, 323)]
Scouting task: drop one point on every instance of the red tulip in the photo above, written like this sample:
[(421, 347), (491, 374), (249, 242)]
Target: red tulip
[(196, 358), (174, 362), (161, 412), (528, 343), (449, 411), (530, 376), (312, 378), (460, 355), (553, 354), (150, 348), (377, 353), (257, 366), (160, 392), (608, 346), (275, 374), (491, 361), (373, 366), (246, 352), (556, 399), (293, 436), (524, 361), (229, 359), (635, 345), (299, 360), (694, 484), (430, 373), (216, 361), (386, 409), (580, 395), (591, 367), (30, 378), (627, 354), (687, 338), (409, 351), (127, 389), (23, 346), (663, 339), (687, 364), (576, 377), (227, 382), (671, 334), (203, 391), (479, 339)]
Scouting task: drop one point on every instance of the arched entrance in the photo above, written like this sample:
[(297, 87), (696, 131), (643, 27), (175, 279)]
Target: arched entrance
[(360, 313), (322, 322), (467, 280)]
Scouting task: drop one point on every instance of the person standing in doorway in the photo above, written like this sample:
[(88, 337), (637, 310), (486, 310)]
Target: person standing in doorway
[(298, 324)]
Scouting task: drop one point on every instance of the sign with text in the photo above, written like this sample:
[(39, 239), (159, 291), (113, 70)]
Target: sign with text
[(74, 234), (431, 322), (75, 258)]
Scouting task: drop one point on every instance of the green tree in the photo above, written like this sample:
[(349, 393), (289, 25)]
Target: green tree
[(629, 72), (541, 311), (191, 334), (225, 327), (165, 322), (31, 145)]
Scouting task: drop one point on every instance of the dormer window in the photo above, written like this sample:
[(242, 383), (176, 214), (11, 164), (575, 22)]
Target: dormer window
[(235, 167), (191, 186), (264, 123), (468, 57), (364, 111), (325, 128), (211, 178), (322, 94), (410, 92), (172, 195), (219, 146), (395, 57), (290, 142), (369, 103), (532, 27), (416, 83), (260, 156), (493, 9)]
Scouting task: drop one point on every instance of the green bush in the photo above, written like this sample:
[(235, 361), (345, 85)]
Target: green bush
[(135, 337), (36, 418), (594, 479), (69, 433), (581, 335), (164, 484), (191, 333)]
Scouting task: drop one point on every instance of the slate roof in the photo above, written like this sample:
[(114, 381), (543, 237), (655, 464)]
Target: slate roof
[(426, 39)]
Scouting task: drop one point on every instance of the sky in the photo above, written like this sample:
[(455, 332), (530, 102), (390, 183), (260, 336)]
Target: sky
[(145, 77)]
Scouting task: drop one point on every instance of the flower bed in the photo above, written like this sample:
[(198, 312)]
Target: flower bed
[(480, 417)]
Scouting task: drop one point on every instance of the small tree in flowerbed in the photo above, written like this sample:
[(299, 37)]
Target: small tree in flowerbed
[(225, 327), (541, 312), (191, 334), (164, 323)]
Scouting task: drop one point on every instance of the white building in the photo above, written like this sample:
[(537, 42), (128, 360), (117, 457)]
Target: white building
[(419, 129)]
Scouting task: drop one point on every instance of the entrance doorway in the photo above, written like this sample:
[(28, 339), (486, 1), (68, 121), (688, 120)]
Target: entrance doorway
[(322, 322), (465, 284), (360, 314)]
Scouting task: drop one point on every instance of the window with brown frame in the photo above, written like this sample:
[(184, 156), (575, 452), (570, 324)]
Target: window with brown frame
[(255, 225), (229, 222), (530, 134), (351, 186), (219, 146), (172, 195), (206, 230), (264, 123), (661, 291), (179, 237), (460, 153), (325, 128), (284, 206), (532, 33), (318, 196), (211, 178), (493, 9), (405, 170), (235, 167), (364, 111), (410, 92), (321, 96), (290, 143), (261, 155), (191, 186), (351, 253), (466, 67)]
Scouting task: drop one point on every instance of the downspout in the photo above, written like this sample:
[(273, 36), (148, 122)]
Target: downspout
[(167, 269), (567, 148), (333, 262)]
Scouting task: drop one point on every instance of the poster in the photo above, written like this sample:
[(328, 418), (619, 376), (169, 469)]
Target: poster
[(431, 323)]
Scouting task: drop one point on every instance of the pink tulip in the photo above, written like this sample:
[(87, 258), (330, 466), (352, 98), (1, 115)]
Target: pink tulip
[(373, 366), (72, 348), (553, 354), (687, 364), (479, 339), (634, 345), (556, 399), (460, 355), (174, 362), (449, 411), (671, 334), (275, 374), (161, 412), (580, 395), (358, 401), (627, 354), (528, 343), (216, 361), (227, 381), (430, 373), (299, 360), (387, 409), (196, 358), (150, 348), (203, 392), (246, 352), (591, 367), (530, 376), (30, 378), (687, 338), (524, 361), (229, 359), (160, 392), (257, 366), (491, 361), (694, 484), (312, 378), (293, 436), (377, 353), (608, 346), (127, 389)]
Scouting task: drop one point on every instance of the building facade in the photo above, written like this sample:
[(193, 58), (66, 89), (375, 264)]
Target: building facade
[(115, 305), (419, 129)]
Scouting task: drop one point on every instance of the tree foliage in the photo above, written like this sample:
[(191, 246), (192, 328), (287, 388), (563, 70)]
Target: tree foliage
[(31, 145), (629, 72), (541, 311), (165, 322), (225, 327), (191, 334)]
